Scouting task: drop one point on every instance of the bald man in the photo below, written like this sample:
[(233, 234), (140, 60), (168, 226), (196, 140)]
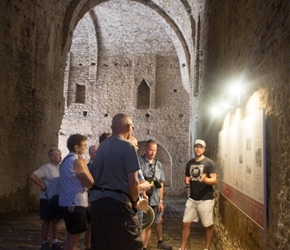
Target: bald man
[(115, 191)]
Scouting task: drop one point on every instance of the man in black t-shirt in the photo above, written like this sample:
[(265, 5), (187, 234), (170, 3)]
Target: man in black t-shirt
[(200, 174)]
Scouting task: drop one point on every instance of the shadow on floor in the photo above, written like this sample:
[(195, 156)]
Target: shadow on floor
[(23, 230)]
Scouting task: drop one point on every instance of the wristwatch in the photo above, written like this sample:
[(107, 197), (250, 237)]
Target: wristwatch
[(161, 201)]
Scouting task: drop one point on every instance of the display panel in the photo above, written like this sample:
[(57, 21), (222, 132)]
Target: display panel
[(242, 168)]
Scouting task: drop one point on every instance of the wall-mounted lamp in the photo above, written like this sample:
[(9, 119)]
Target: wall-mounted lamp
[(236, 89), (232, 97)]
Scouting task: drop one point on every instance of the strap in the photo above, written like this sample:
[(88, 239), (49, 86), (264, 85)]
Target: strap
[(154, 166), (65, 159)]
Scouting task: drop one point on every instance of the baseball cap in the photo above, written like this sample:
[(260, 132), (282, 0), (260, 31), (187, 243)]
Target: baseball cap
[(200, 142)]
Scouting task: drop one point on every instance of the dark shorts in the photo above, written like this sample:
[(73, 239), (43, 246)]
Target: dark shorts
[(76, 222), (114, 226), (50, 211), (158, 215)]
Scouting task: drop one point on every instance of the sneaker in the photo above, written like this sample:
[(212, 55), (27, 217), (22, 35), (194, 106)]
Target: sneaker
[(56, 246), (45, 246), (163, 245)]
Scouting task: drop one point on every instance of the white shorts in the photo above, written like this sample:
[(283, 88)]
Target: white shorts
[(199, 209)]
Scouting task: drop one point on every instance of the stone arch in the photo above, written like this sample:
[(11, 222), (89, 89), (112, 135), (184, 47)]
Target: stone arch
[(78, 89), (164, 157), (78, 8)]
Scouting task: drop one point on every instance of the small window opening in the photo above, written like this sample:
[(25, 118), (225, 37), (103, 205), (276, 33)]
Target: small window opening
[(80, 93), (143, 96)]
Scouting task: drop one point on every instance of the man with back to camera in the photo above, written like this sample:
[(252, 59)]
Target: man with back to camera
[(153, 168), (200, 174), (115, 191)]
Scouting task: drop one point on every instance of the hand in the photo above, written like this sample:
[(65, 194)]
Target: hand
[(202, 177), (160, 207), (145, 185), (83, 160), (187, 180)]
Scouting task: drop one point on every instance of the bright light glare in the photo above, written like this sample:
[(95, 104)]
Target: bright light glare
[(226, 105), (215, 111), (236, 88)]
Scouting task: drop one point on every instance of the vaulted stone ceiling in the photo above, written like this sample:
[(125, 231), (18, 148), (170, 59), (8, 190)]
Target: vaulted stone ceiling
[(176, 18)]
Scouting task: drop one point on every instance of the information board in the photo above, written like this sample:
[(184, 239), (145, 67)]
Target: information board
[(242, 169)]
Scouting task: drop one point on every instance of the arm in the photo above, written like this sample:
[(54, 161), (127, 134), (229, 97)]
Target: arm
[(37, 181), (144, 185), (187, 180), (161, 205), (133, 186), (209, 180), (82, 172)]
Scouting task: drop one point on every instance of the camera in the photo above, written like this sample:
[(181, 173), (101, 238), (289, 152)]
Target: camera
[(157, 184)]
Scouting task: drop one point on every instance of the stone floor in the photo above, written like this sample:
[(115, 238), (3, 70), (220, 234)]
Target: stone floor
[(22, 231)]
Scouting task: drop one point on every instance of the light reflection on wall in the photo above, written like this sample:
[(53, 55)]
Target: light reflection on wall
[(253, 104), (232, 118), (237, 116), (227, 122)]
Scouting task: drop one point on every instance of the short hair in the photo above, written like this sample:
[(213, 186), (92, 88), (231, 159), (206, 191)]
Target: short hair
[(75, 139), (104, 136), (91, 149), (150, 142), (52, 151)]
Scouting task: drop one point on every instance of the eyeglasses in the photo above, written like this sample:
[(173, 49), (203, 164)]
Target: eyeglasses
[(130, 124), (84, 145)]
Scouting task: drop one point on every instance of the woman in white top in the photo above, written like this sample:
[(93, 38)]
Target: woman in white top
[(75, 180)]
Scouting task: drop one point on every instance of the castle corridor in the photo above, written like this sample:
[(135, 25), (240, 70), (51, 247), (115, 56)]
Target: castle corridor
[(69, 66)]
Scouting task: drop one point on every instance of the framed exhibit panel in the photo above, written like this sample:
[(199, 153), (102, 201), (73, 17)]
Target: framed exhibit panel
[(242, 168)]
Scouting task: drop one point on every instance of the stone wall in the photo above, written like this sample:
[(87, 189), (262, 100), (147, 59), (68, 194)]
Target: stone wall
[(120, 70), (34, 93), (251, 39), (31, 96)]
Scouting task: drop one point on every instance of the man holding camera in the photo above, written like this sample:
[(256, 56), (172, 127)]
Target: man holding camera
[(153, 172)]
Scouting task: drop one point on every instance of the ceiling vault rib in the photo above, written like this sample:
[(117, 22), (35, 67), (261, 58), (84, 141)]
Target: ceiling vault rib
[(172, 24), (72, 17)]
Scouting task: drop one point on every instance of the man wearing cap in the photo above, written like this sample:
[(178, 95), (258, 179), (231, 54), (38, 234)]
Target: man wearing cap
[(200, 174)]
